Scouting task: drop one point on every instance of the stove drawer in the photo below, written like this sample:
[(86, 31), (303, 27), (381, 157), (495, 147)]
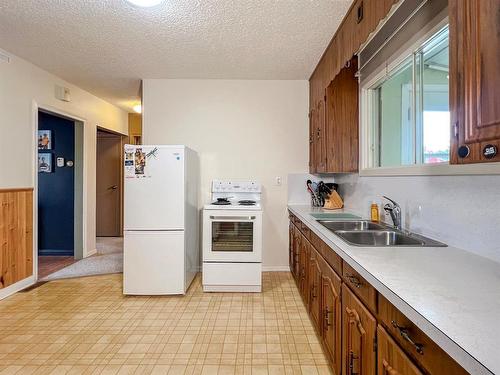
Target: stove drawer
[(232, 276)]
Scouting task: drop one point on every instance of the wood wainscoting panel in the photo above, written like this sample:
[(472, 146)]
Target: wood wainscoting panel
[(16, 235)]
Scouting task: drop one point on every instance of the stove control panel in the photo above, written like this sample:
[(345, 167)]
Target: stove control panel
[(235, 187)]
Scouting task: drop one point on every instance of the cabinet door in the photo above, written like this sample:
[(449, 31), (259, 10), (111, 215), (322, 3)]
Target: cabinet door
[(331, 316), (315, 289), (321, 137), (358, 339), (391, 359), (290, 246), (296, 253), (474, 78), (342, 121), (312, 140), (303, 266)]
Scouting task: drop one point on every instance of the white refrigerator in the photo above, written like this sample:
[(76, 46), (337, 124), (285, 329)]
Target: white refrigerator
[(161, 251)]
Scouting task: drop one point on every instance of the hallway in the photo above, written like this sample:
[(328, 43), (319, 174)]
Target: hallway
[(107, 260)]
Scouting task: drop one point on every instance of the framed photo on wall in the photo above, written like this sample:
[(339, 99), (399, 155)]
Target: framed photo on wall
[(45, 163), (45, 139)]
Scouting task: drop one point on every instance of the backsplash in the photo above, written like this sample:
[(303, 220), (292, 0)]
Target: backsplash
[(297, 189), (462, 211)]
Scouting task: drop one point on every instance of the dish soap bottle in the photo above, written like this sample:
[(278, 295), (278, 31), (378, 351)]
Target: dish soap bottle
[(375, 215)]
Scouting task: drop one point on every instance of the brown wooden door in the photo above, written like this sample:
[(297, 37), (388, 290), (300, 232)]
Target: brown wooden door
[(342, 121), (474, 78), (315, 289), (331, 316), (108, 185), (391, 360), (358, 339)]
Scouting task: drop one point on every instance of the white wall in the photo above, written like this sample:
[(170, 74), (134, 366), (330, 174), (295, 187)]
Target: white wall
[(241, 130), (22, 84), (462, 211)]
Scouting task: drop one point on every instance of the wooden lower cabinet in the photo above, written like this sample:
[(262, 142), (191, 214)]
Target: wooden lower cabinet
[(330, 318), (358, 336), (291, 250), (391, 360), (361, 332), (315, 290), (296, 252), (303, 269)]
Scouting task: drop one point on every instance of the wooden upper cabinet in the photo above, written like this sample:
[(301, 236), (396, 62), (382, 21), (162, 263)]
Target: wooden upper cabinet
[(474, 78), (342, 121), (321, 138), (331, 316), (391, 360), (358, 338), (317, 137), (312, 142)]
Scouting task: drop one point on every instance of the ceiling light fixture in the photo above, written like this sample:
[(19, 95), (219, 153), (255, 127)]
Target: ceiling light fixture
[(137, 108), (145, 3)]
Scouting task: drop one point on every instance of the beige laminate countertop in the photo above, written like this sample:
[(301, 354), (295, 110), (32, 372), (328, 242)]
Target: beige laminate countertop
[(451, 294)]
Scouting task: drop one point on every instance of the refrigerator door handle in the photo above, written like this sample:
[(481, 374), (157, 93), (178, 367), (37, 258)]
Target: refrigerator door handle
[(232, 217)]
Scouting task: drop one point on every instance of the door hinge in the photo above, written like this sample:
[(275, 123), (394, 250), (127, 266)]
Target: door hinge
[(455, 129)]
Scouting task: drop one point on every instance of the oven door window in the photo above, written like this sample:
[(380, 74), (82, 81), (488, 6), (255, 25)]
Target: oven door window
[(228, 236)]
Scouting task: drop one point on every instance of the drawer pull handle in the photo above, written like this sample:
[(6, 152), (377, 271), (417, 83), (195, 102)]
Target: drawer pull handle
[(419, 348), (354, 280)]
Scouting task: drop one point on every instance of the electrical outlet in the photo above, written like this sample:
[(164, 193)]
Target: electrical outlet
[(278, 181)]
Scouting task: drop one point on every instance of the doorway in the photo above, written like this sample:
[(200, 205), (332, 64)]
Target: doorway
[(59, 180)]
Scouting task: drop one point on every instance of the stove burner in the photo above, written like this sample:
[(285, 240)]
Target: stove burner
[(247, 203), (221, 202)]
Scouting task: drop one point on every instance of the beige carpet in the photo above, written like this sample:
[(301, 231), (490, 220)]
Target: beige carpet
[(109, 259)]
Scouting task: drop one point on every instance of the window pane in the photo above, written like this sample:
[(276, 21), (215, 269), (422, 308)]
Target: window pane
[(435, 124), (395, 129)]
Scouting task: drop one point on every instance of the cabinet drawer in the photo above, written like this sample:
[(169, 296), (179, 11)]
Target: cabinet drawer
[(360, 286), (415, 343), (333, 259)]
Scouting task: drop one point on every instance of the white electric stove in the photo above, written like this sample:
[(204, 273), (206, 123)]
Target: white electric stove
[(232, 238)]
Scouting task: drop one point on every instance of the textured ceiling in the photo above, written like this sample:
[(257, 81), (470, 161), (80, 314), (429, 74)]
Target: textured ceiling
[(107, 46)]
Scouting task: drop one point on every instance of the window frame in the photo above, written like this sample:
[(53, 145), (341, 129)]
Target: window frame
[(368, 112)]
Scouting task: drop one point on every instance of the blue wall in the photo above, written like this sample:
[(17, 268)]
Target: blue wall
[(56, 190)]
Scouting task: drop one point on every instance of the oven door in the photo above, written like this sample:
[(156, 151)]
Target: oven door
[(232, 236)]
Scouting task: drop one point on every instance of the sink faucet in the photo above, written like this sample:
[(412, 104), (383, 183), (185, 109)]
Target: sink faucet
[(394, 210)]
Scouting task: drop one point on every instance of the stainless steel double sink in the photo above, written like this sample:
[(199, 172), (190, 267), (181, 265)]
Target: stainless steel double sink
[(369, 234)]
